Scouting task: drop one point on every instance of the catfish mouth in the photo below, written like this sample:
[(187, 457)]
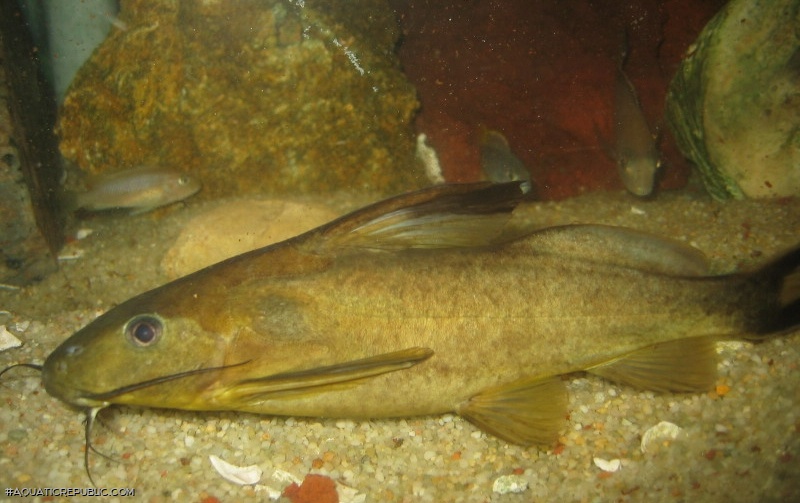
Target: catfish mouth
[(57, 385), (106, 396), (255, 388), (94, 402)]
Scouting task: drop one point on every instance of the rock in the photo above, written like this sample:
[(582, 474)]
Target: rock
[(734, 106), (314, 489), (266, 97), (239, 226)]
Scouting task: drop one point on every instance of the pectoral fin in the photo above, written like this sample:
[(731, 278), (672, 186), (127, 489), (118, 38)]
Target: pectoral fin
[(685, 365), (323, 378), (526, 412), (443, 216)]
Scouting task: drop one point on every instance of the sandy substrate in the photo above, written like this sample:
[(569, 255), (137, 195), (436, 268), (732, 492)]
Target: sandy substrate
[(738, 443)]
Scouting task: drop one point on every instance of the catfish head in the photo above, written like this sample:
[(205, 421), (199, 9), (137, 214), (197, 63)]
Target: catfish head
[(137, 354)]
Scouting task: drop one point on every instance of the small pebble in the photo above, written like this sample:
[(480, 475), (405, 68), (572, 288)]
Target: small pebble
[(17, 434), (509, 484), (83, 233), (21, 326)]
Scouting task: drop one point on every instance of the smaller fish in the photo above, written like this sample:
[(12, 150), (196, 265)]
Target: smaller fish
[(635, 149), (498, 163), (139, 190)]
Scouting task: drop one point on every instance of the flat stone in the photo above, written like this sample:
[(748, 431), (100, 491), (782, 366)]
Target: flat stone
[(239, 226)]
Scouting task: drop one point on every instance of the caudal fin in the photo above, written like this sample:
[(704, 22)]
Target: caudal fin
[(780, 279)]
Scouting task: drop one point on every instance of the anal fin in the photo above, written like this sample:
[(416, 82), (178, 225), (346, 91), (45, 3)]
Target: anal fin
[(526, 412), (684, 365)]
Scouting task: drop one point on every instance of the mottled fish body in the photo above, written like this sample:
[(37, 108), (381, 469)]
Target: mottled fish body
[(498, 162), (139, 190), (635, 147), (419, 305)]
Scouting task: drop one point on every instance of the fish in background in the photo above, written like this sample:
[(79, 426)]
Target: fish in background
[(139, 190), (498, 163), (635, 147)]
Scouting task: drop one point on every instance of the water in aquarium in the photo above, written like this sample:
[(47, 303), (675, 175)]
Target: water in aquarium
[(400, 250)]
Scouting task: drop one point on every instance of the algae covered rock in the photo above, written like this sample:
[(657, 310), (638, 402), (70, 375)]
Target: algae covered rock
[(252, 96), (734, 105)]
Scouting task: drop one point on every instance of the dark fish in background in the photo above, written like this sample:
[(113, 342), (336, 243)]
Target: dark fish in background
[(139, 190), (634, 146), (498, 163)]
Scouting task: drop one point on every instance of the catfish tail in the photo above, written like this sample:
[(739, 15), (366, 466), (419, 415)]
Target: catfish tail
[(779, 285)]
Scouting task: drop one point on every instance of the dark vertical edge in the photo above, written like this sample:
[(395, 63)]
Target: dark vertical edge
[(33, 112)]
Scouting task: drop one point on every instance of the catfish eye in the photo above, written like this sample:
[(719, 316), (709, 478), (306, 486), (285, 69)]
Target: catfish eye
[(144, 330)]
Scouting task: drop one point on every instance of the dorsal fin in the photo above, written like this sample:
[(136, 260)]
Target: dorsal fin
[(622, 247), (443, 216)]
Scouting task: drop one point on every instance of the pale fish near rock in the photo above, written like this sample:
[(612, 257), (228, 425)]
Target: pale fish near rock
[(139, 190)]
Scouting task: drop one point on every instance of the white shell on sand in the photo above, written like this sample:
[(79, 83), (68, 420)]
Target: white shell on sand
[(7, 339), (242, 475), (662, 431)]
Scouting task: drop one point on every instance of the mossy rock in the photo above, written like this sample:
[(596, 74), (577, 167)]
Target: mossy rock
[(734, 105), (251, 97)]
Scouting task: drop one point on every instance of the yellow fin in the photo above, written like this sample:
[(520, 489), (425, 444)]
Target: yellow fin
[(525, 412), (443, 216), (684, 365), (315, 379)]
